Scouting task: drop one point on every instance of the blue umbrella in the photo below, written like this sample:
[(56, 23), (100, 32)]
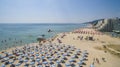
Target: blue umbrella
[(67, 64), (25, 60), (91, 65), (38, 59), (39, 66), (71, 60), (31, 57), (36, 50), (26, 55), (11, 61), (43, 57), (7, 58), (3, 65), (80, 63), (37, 54), (32, 63), (53, 65), (10, 54), (18, 64), (78, 50), (26, 65), (45, 62), (31, 52), (58, 61), (50, 59), (19, 58), (73, 56)]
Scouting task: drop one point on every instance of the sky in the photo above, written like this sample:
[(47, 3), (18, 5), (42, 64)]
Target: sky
[(57, 11)]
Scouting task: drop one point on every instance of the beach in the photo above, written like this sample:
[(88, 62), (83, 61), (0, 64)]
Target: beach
[(85, 39), (111, 60)]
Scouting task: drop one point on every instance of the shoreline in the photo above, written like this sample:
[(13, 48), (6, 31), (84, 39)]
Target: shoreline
[(71, 38)]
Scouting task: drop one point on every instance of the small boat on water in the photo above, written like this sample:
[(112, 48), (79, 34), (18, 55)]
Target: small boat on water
[(49, 30)]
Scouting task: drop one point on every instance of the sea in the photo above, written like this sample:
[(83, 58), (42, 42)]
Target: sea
[(17, 34)]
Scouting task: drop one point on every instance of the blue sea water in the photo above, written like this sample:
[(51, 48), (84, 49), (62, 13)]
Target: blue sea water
[(12, 34)]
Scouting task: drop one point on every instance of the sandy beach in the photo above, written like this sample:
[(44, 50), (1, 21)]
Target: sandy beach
[(100, 40), (81, 41)]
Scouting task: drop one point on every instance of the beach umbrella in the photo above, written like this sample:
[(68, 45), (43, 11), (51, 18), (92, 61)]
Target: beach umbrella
[(73, 57), (68, 65), (26, 65), (81, 59), (3, 65), (52, 65), (11, 61), (1, 56), (91, 65), (43, 57), (58, 61), (10, 54), (7, 58), (45, 62), (32, 63), (50, 59), (20, 61), (39, 64), (31, 52), (80, 63), (36, 50), (62, 60), (51, 62), (31, 57), (78, 50), (19, 53), (19, 58), (25, 60), (37, 54), (38, 59), (63, 57), (71, 60), (18, 64)]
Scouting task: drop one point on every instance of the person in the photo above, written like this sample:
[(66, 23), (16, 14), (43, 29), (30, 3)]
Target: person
[(103, 59), (97, 60)]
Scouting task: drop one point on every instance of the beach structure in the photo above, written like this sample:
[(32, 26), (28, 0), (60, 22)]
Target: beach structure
[(40, 39), (108, 25)]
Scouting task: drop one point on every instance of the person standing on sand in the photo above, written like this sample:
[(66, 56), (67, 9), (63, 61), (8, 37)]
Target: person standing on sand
[(97, 60), (103, 59)]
